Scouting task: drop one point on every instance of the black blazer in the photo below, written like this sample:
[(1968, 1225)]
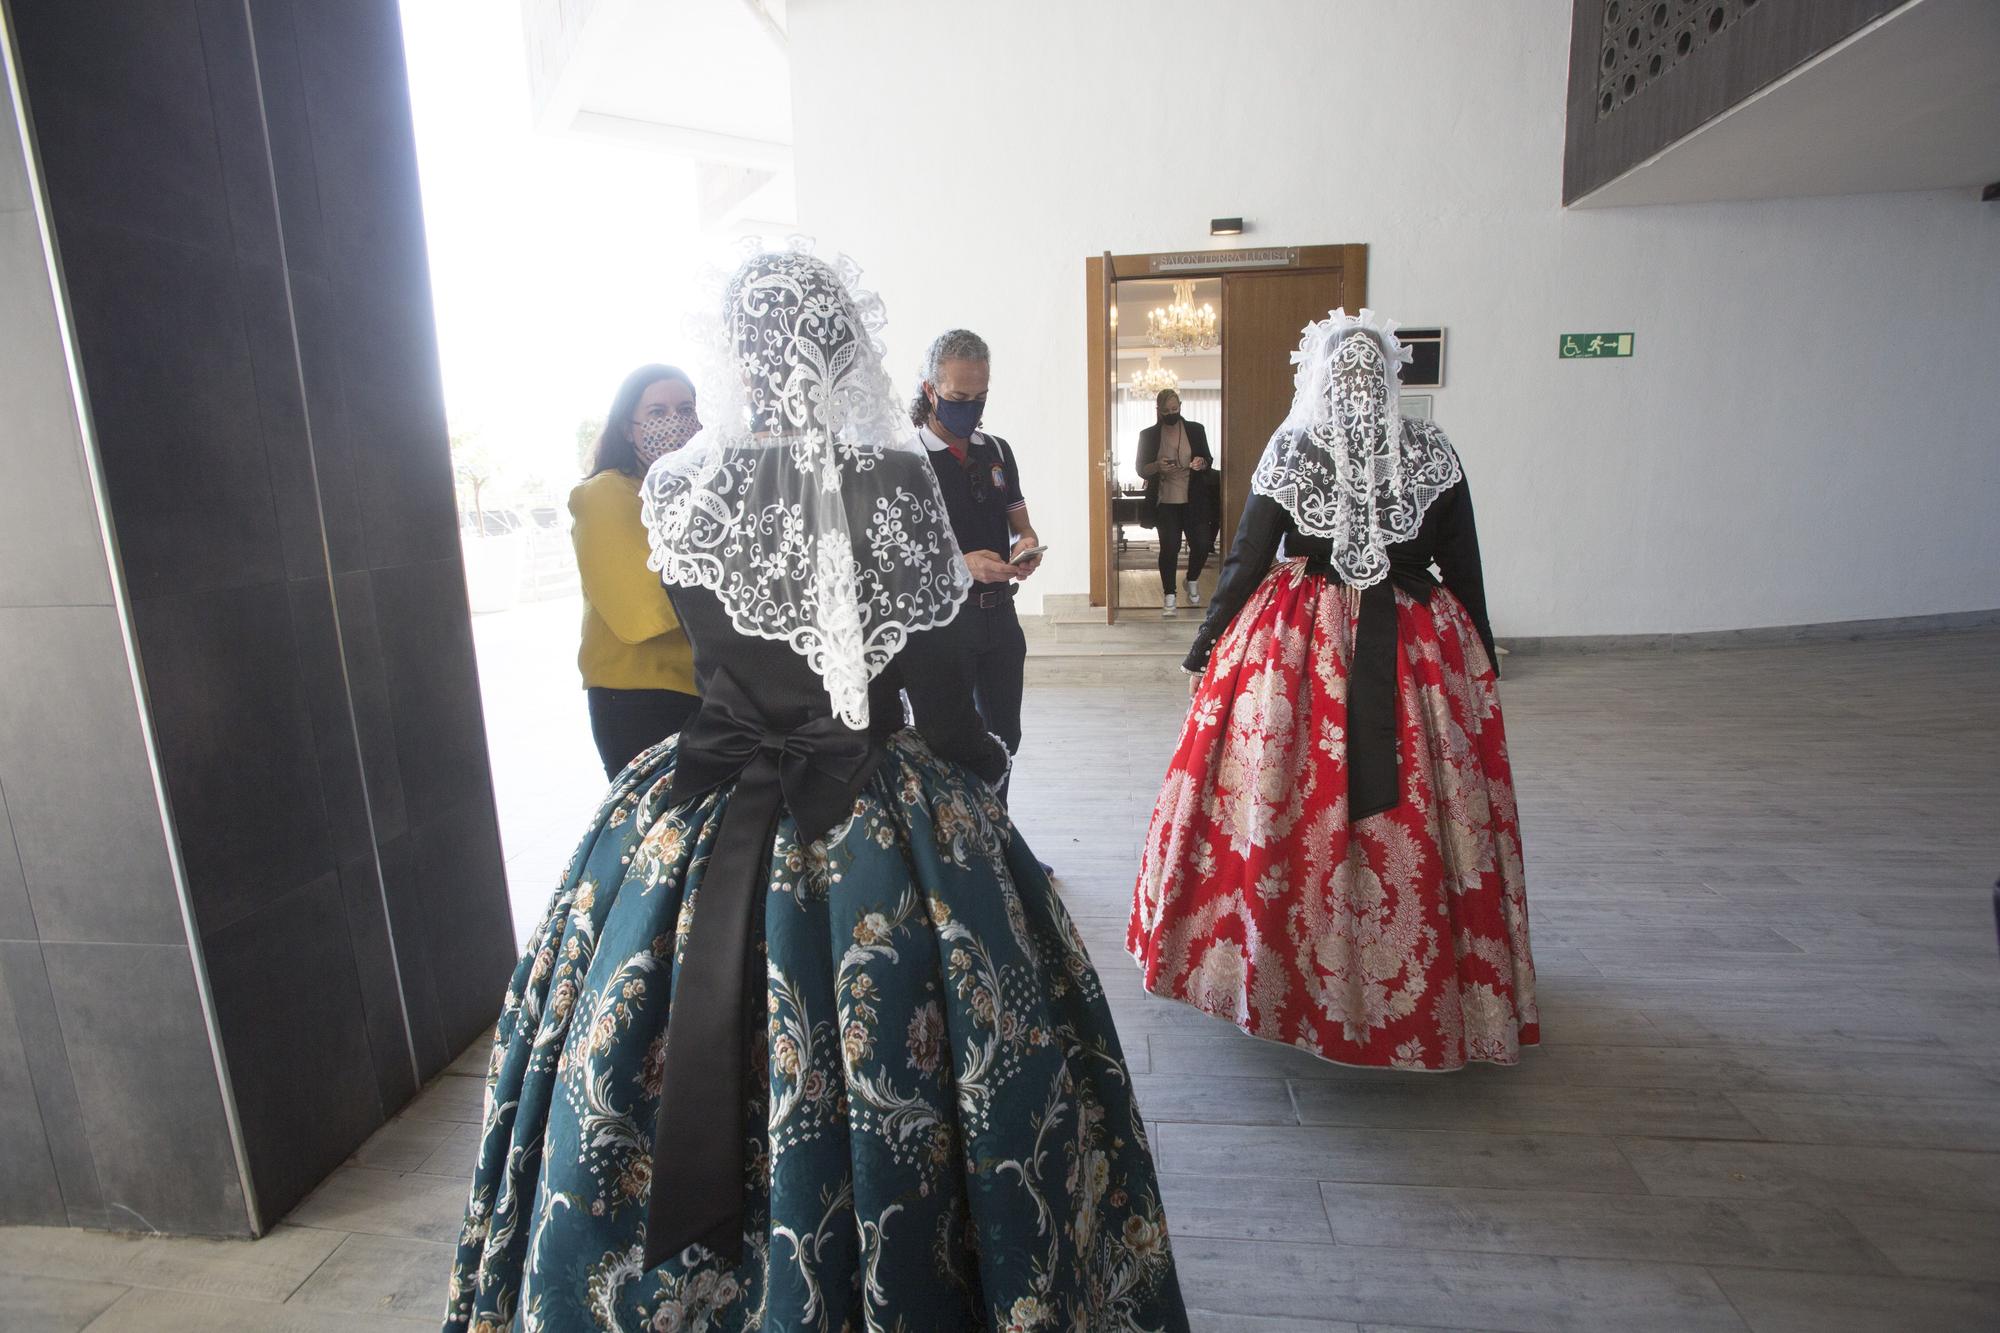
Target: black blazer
[(1204, 487)]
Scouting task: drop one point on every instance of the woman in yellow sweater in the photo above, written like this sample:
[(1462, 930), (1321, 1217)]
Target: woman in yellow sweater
[(638, 670)]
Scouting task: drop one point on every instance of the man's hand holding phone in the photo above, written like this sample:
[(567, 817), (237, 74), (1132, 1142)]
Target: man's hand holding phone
[(988, 567)]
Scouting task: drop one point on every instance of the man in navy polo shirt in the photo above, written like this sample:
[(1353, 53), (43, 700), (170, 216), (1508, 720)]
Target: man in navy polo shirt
[(989, 517)]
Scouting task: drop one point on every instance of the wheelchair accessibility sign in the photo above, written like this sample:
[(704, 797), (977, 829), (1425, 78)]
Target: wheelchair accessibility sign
[(1582, 346)]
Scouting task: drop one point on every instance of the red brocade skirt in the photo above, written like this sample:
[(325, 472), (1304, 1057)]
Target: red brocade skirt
[(1399, 940)]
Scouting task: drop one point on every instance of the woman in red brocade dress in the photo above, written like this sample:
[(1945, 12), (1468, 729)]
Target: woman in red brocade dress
[(1335, 860)]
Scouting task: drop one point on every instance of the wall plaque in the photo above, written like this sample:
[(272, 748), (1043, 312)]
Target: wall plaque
[(1189, 261)]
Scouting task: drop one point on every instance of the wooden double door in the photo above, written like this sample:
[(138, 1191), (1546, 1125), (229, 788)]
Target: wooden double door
[(1269, 295)]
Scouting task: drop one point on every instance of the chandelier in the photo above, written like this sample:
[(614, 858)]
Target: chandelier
[(1154, 379), (1181, 326)]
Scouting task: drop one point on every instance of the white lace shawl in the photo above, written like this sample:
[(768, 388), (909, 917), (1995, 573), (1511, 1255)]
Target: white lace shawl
[(1345, 464), (807, 506)]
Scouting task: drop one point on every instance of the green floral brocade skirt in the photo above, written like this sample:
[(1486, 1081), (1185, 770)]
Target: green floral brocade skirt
[(943, 1136)]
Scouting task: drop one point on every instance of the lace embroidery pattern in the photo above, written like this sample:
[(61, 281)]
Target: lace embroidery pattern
[(1345, 464), (806, 507)]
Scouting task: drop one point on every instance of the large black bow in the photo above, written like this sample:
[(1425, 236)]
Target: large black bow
[(1374, 777), (813, 770)]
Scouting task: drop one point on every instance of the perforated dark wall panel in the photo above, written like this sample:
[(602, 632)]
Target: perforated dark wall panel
[(1644, 73)]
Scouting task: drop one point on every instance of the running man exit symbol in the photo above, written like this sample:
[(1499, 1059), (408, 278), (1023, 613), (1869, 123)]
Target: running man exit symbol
[(1577, 346)]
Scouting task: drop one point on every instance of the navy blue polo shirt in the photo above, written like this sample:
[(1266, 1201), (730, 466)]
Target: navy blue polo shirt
[(980, 490)]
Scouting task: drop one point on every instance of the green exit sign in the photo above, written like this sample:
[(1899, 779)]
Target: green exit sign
[(1579, 345)]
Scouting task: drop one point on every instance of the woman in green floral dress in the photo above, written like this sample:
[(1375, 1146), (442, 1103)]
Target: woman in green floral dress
[(806, 1040)]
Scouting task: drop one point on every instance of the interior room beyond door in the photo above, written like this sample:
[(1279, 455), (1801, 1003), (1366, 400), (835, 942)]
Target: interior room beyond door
[(1237, 383)]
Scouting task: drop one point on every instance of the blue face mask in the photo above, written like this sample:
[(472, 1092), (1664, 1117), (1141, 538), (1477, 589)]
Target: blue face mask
[(960, 418)]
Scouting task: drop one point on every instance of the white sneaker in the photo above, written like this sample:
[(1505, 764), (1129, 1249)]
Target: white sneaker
[(1169, 608), (1194, 593)]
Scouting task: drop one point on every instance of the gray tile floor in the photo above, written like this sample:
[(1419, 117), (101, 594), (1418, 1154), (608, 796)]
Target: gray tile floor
[(1769, 1097)]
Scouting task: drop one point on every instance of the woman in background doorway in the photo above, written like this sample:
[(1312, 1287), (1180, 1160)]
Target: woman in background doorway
[(638, 669), (1181, 497), (1334, 861)]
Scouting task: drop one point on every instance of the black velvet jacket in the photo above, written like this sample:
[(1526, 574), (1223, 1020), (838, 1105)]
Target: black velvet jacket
[(1447, 538), (935, 669)]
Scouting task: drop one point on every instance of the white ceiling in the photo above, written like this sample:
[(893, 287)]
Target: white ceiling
[(673, 76), (689, 63), (1911, 102)]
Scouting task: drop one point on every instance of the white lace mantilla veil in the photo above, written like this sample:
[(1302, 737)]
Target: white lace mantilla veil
[(806, 504), (1345, 464)]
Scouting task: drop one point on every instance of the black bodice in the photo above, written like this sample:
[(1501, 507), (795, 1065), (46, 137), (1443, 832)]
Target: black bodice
[(934, 668), (1446, 538)]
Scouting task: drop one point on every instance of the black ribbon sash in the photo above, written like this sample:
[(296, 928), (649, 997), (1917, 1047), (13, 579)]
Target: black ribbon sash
[(813, 770), (1374, 778)]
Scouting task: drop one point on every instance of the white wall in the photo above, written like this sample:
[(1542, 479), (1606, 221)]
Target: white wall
[(1810, 430)]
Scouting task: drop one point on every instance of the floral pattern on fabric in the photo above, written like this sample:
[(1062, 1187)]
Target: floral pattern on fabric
[(943, 1135), (1400, 940)]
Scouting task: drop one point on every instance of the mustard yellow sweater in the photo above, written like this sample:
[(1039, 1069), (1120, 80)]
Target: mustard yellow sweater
[(632, 640)]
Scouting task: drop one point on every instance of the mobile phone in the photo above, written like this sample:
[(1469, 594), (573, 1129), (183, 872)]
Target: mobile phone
[(1032, 553)]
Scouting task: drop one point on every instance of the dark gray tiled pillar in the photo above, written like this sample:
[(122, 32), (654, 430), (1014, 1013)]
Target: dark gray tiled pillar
[(318, 922), (107, 1070)]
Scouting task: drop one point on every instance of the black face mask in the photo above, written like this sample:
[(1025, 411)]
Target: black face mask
[(960, 418), (1171, 417)]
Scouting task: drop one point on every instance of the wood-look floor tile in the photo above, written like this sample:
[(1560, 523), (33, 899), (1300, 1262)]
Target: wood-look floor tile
[(472, 1060), (1761, 1234), (1854, 1174), (457, 1154), (1216, 1101), (402, 1144), (1217, 1047), (148, 1311), (52, 1304), (1626, 934), (1777, 1302), (386, 1203), (1934, 1242), (451, 1097), (1772, 1068), (1393, 1156), (1213, 1321), (1245, 1207), (267, 1269), (1449, 1103), (381, 1275), (1969, 1124), (1442, 1289)]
